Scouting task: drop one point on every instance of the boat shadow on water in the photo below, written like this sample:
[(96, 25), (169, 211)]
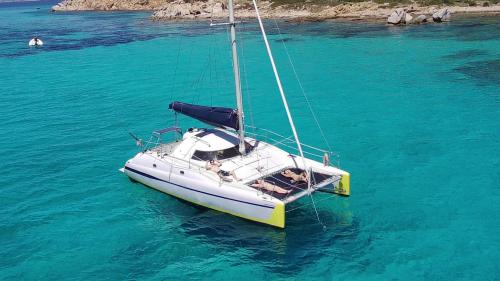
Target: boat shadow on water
[(304, 241)]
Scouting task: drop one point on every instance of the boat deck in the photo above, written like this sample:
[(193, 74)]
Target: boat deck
[(164, 149), (286, 183)]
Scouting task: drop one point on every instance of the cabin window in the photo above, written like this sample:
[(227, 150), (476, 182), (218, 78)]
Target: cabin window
[(228, 153), (204, 155), (220, 154)]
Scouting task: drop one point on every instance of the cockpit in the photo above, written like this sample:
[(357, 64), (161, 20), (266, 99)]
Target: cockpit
[(209, 144)]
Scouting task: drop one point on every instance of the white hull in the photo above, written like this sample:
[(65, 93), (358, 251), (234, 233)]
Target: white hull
[(173, 169), (201, 190)]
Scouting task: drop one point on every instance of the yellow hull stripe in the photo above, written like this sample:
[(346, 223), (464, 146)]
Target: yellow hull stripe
[(344, 187), (277, 217)]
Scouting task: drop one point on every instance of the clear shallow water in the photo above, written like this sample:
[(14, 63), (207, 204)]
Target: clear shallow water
[(413, 112)]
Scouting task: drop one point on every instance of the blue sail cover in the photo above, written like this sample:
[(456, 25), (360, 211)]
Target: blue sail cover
[(215, 116)]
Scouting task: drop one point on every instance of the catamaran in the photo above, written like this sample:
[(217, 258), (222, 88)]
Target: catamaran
[(232, 167)]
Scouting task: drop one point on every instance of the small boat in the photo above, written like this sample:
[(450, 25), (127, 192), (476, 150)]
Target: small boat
[(35, 42), (249, 172)]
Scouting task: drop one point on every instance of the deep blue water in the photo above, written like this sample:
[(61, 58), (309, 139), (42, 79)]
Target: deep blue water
[(414, 113)]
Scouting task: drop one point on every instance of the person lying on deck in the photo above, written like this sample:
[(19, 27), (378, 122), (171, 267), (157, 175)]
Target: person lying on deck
[(214, 166), (270, 187), (295, 177)]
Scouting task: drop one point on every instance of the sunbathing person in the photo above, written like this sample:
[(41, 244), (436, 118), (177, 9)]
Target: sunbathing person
[(295, 177), (214, 166), (270, 187)]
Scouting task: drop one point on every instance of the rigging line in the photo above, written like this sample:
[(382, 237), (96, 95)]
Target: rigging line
[(301, 87), (210, 76), (307, 204), (245, 76), (217, 81), (173, 88), (215, 70), (209, 66), (316, 212), (218, 53), (280, 87), (189, 71), (196, 83), (220, 80), (214, 81), (227, 79), (200, 78)]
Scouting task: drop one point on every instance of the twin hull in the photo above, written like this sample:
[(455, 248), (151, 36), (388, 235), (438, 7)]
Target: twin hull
[(196, 188)]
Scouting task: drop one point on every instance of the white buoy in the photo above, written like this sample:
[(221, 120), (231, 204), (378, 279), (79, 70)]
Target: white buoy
[(35, 42)]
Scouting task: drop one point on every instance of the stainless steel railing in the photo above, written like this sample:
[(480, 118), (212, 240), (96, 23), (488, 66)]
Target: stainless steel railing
[(289, 144)]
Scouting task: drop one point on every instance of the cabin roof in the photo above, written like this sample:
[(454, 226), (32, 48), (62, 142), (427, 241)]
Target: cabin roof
[(212, 139)]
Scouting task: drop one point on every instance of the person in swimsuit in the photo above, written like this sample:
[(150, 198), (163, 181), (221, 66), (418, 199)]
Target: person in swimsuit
[(214, 166), (269, 186), (295, 177)]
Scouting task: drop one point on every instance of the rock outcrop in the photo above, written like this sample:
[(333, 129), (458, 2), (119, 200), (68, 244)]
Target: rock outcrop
[(441, 15), (186, 10), (420, 19), (408, 18), (402, 16), (397, 17), (107, 5)]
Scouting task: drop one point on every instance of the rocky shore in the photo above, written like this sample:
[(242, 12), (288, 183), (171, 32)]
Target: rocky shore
[(109, 5), (199, 9)]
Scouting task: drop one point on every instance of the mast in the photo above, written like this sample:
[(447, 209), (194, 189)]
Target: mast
[(237, 82)]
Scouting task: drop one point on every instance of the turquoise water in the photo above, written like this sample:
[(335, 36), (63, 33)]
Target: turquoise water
[(412, 111)]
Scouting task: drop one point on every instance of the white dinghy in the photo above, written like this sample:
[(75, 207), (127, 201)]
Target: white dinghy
[(35, 42), (232, 167)]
